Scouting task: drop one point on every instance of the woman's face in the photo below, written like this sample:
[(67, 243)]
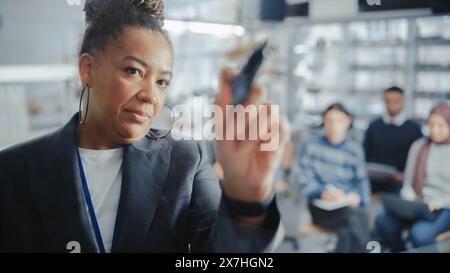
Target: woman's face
[(128, 81), (439, 129), (336, 125)]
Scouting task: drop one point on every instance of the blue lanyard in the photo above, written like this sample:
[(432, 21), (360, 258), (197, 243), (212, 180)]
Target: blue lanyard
[(87, 195)]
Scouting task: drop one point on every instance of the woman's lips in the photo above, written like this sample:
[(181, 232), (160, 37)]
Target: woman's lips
[(138, 115)]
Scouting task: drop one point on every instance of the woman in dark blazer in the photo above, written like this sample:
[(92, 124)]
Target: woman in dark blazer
[(105, 182)]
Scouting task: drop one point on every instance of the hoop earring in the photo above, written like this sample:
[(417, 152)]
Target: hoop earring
[(158, 135), (82, 120)]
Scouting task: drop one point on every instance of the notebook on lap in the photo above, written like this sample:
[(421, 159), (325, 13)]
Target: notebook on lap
[(405, 209)]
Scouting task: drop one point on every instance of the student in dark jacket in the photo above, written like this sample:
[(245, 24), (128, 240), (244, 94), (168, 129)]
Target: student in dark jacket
[(388, 139)]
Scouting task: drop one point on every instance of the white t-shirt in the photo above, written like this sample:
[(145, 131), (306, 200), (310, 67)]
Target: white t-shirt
[(103, 170)]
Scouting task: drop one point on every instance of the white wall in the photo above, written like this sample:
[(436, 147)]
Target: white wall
[(39, 32)]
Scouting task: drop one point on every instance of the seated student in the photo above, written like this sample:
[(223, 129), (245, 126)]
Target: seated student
[(388, 139), (427, 179), (332, 167)]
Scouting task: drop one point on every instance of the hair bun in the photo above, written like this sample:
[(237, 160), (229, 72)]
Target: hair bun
[(154, 8), (106, 19), (90, 11), (95, 9)]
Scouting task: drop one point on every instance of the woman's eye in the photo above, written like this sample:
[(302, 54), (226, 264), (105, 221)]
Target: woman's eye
[(133, 71), (163, 83)]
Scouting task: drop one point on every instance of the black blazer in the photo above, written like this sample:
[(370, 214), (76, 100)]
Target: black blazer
[(170, 200)]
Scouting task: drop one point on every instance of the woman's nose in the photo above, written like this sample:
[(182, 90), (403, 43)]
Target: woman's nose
[(148, 94)]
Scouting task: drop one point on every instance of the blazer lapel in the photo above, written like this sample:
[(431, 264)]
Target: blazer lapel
[(144, 173), (57, 194)]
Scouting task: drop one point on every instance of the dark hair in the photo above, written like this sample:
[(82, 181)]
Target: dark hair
[(337, 106), (394, 89), (106, 19)]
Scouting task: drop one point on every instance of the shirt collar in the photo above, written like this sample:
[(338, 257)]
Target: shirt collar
[(398, 120)]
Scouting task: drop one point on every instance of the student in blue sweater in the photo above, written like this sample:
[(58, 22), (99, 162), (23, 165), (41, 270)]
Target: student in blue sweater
[(388, 139), (332, 168)]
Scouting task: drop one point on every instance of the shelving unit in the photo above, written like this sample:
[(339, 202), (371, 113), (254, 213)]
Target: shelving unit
[(432, 63), (15, 121), (367, 56)]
